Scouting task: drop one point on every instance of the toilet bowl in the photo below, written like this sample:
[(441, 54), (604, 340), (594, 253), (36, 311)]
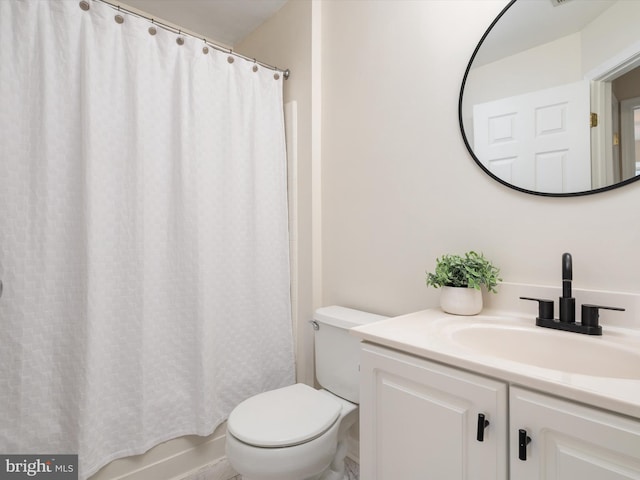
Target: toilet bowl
[(301, 437), (298, 432)]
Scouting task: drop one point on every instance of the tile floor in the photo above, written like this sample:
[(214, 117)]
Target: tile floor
[(221, 469), (353, 469)]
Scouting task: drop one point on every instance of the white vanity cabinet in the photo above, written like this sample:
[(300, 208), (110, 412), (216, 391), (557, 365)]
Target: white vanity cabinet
[(570, 441), (420, 420)]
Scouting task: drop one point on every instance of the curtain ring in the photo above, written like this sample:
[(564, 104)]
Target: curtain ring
[(84, 5)]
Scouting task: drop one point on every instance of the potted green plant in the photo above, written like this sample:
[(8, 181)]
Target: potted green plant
[(460, 278)]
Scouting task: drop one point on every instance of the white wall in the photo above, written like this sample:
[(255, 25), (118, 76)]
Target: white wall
[(561, 65), (611, 33), (400, 189)]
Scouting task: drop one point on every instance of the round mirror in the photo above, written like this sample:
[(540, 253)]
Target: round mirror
[(550, 100)]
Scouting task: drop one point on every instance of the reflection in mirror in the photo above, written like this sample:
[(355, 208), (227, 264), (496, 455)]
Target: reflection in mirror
[(550, 102)]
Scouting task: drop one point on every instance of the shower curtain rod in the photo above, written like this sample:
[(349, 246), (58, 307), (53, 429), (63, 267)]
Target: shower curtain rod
[(220, 48)]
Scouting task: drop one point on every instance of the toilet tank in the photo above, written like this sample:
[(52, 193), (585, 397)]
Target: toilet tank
[(337, 351)]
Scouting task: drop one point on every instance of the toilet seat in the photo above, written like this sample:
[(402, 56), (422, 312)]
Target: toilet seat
[(297, 414)]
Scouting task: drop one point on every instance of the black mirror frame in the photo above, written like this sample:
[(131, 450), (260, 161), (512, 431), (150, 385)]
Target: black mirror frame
[(485, 169)]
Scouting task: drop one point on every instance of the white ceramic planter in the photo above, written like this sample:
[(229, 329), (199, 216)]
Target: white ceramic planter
[(461, 300)]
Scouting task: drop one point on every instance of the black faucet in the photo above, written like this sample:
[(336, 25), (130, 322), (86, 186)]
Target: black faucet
[(567, 321), (566, 301)]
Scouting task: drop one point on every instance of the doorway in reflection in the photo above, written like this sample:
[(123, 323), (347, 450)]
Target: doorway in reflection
[(636, 129), (626, 121)]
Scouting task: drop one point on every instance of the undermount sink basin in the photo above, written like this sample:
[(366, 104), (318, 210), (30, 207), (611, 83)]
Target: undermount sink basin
[(562, 351)]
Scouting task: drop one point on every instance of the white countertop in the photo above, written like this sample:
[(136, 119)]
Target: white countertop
[(427, 334)]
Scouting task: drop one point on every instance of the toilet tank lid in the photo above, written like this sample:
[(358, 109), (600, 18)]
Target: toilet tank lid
[(345, 317)]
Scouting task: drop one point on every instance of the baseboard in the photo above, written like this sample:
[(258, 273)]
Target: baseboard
[(189, 458), (220, 470), (177, 459)]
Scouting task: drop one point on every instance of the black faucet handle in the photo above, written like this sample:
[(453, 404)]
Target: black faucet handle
[(567, 267), (591, 314), (567, 277), (545, 307)]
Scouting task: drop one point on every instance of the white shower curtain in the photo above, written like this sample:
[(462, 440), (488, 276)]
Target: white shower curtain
[(143, 233)]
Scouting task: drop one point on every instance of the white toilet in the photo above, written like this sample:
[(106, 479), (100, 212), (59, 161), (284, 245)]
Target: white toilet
[(297, 432)]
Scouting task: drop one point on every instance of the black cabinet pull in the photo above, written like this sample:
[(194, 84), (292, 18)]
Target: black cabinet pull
[(482, 424), (523, 441)]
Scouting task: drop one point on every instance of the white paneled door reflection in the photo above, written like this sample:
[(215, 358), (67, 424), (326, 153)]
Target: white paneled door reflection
[(538, 140)]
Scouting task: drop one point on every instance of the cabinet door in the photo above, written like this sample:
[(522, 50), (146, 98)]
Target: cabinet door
[(571, 441), (419, 420)]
